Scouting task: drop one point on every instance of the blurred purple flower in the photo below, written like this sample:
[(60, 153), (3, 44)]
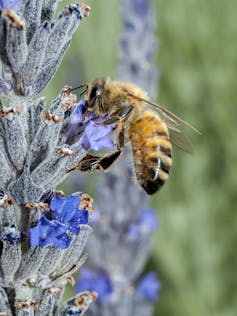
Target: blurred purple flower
[(10, 4), (147, 222), (148, 219), (142, 7), (95, 281), (49, 233), (149, 286)]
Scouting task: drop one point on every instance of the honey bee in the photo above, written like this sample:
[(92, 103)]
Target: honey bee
[(151, 134)]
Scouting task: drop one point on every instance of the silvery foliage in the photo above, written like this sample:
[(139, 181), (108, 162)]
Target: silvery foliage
[(34, 158), (120, 201)]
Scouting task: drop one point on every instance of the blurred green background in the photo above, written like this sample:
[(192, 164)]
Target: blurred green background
[(194, 249)]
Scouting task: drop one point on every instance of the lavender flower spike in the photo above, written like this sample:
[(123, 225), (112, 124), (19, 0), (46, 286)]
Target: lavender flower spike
[(33, 46), (42, 233)]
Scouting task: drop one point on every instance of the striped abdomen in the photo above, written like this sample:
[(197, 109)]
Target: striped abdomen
[(151, 151)]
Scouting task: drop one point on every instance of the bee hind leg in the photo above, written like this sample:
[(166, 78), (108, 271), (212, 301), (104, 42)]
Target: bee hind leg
[(108, 160), (91, 163)]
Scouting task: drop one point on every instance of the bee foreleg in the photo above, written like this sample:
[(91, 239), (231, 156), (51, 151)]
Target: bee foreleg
[(111, 120), (125, 113), (100, 103), (120, 137), (120, 116)]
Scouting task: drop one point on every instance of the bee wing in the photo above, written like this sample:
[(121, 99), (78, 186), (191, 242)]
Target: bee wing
[(177, 137), (166, 113), (180, 140)]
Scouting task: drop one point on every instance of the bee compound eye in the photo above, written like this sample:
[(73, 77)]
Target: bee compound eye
[(93, 93), (94, 96)]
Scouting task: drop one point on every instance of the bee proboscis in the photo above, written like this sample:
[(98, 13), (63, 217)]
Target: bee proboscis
[(150, 132)]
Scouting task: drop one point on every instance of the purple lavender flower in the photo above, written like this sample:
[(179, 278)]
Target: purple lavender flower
[(49, 233), (75, 122), (77, 114), (148, 218), (141, 7), (95, 136), (149, 287), (66, 219), (98, 281), (66, 210), (10, 4)]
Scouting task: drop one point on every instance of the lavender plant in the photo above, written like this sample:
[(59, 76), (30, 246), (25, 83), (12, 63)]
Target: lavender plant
[(123, 223), (42, 232)]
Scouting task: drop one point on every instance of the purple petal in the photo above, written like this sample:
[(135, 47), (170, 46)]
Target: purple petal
[(133, 231), (66, 211), (146, 223), (149, 286), (96, 137), (141, 7), (148, 219), (75, 126), (49, 233), (64, 205), (98, 281), (10, 4), (96, 131), (77, 113)]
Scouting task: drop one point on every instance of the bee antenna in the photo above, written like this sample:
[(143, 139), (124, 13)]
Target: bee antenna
[(81, 86)]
